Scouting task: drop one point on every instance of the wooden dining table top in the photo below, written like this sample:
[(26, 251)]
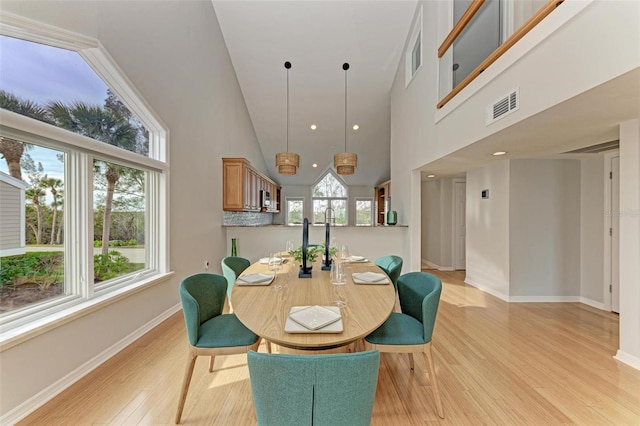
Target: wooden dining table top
[(264, 310)]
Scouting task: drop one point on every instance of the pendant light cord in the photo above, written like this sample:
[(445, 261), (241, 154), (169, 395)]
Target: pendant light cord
[(288, 108), (345, 67)]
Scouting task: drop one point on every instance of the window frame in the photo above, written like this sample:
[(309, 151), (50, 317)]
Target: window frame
[(79, 153), (415, 39), (330, 199), (286, 212), (355, 209)]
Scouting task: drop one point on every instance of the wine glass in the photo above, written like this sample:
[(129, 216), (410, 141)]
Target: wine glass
[(338, 278), (275, 265), (344, 253)]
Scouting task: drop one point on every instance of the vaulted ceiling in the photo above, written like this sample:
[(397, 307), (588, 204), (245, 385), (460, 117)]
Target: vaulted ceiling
[(317, 37)]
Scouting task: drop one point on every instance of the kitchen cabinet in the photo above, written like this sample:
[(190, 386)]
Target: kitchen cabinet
[(242, 186), (383, 202)]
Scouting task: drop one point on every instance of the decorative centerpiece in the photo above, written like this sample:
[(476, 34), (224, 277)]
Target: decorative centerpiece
[(312, 253)]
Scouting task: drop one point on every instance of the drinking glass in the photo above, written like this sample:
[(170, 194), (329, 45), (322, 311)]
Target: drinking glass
[(275, 265), (344, 253), (338, 278)]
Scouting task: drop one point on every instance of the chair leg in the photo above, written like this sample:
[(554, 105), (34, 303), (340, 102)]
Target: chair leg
[(411, 364), (434, 382), (211, 363), (191, 362), (268, 346)]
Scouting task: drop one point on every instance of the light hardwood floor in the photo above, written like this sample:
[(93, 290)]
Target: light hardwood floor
[(497, 364)]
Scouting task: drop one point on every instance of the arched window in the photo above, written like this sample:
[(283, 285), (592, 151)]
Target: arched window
[(330, 192)]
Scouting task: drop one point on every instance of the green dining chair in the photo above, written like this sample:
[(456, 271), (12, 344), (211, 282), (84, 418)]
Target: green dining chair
[(392, 266), (411, 330), (209, 331), (318, 390), (232, 267)]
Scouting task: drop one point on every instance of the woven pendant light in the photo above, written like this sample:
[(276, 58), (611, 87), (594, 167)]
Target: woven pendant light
[(287, 162), (345, 162)]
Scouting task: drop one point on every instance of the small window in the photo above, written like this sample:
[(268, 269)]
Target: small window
[(413, 54), (364, 211), (295, 211)]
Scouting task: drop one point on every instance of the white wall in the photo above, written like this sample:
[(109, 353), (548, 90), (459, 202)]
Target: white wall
[(184, 73), (431, 222), (630, 243), (592, 212), (544, 229), (488, 256)]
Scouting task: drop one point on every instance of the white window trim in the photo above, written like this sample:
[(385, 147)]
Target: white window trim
[(286, 207), (416, 34), (345, 198), (79, 153), (355, 209)]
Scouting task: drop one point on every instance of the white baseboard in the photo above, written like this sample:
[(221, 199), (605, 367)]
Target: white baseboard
[(44, 396), (628, 359), (486, 289), (543, 299), (431, 265), (592, 303)]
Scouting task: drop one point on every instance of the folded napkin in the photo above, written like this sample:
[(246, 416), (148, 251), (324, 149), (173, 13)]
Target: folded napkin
[(370, 277), (356, 259), (256, 278), (265, 260)]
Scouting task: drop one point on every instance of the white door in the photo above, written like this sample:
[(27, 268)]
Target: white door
[(615, 234), (460, 194)]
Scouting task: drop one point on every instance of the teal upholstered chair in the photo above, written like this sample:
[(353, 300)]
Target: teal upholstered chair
[(392, 266), (209, 331), (412, 330), (232, 267), (319, 390)]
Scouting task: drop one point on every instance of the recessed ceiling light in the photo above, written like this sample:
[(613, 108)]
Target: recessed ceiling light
[(431, 176), (315, 165), (498, 153), (356, 127), (313, 127)]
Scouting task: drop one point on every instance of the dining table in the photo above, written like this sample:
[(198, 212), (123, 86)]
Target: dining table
[(265, 309)]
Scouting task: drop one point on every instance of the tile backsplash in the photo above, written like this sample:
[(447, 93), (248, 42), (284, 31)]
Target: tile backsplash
[(246, 218)]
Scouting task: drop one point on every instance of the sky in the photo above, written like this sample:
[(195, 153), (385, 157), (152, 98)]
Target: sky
[(41, 73)]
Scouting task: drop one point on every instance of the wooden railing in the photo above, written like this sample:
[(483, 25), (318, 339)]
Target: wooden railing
[(542, 13), (460, 25)]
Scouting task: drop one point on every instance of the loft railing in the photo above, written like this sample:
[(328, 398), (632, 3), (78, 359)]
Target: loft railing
[(467, 21)]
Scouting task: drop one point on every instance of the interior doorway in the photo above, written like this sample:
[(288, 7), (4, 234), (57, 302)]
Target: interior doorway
[(614, 233)]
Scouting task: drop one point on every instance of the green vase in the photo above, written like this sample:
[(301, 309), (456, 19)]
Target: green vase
[(392, 217), (234, 248)]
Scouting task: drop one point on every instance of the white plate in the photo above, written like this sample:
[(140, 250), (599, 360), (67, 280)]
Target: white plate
[(356, 259), (255, 279), (369, 278), (291, 326), (315, 317)]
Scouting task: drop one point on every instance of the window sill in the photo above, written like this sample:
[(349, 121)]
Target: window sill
[(18, 335)]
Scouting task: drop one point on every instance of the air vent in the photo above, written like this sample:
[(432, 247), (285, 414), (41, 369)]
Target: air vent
[(504, 106), (596, 149)]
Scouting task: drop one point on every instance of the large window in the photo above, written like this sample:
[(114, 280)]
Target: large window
[(330, 200), (94, 206)]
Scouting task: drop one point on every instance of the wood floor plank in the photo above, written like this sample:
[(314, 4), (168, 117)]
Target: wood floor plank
[(497, 364)]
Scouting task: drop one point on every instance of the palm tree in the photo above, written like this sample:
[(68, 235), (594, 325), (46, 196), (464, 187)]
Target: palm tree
[(34, 195), (103, 125), (11, 149), (52, 184)]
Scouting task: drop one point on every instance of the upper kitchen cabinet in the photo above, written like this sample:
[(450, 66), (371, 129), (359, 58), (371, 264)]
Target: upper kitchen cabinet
[(246, 189)]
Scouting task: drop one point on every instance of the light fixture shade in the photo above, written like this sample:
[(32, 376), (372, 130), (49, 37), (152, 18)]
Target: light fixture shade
[(287, 163), (345, 163)]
